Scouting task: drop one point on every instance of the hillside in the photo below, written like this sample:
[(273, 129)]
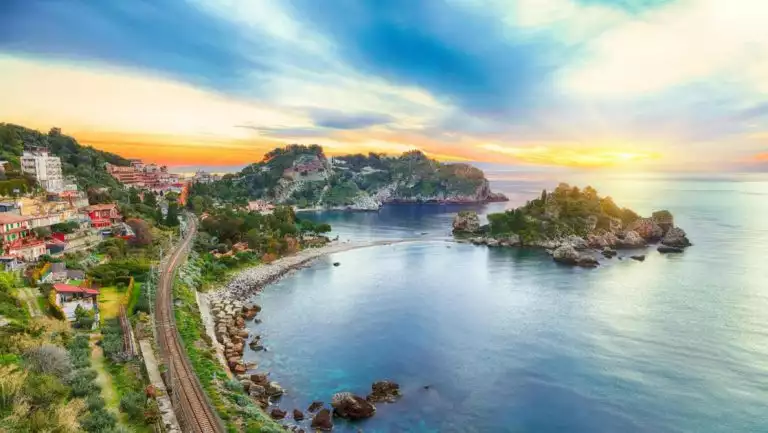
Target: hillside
[(304, 176), (84, 163)]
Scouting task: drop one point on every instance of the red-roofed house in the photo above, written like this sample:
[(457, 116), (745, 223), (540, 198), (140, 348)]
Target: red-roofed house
[(103, 215), (18, 238), (69, 297)]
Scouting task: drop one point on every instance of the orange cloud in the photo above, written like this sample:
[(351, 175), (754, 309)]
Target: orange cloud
[(760, 157)]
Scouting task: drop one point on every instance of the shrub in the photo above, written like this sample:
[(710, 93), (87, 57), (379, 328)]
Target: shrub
[(44, 389), (48, 359), (94, 402), (83, 385), (98, 421), (133, 404)]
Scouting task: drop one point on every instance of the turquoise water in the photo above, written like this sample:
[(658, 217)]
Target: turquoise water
[(508, 341)]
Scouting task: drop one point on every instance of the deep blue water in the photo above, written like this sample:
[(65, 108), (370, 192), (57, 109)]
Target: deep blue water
[(511, 342)]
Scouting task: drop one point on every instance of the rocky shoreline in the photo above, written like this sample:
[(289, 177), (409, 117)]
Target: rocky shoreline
[(225, 315), (586, 251)]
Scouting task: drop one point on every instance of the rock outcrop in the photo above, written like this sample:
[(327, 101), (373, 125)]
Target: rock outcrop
[(630, 239), (466, 222), (322, 420), (315, 406), (647, 229), (277, 413), (384, 391), (350, 406), (298, 415), (676, 237), (664, 219), (567, 255), (665, 249)]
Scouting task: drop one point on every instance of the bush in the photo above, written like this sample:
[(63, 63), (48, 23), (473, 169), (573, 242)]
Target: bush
[(83, 385), (94, 402), (133, 404), (98, 421), (48, 359), (44, 389), (112, 342)]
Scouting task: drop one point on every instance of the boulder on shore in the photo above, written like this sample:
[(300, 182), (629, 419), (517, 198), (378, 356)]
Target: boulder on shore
[(646, 228), (664, 219), (676, 237), (666, 249), (609, 252), (384, 391), (277, 413), (639, 257), (630, 239), (315, 406), (298, 415), (568, 255), (466, 222), (322, 420), (350, 406)]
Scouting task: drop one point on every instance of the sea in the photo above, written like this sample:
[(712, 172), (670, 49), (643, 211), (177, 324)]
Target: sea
[(505, 340)]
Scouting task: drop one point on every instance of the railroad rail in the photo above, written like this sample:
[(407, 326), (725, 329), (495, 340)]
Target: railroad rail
[(128, 345), (193, 410)]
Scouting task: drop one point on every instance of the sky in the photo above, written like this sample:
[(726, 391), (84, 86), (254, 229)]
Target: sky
[(645, 85)]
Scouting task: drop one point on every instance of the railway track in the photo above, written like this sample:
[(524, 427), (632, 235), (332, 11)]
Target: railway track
[(193, 410)]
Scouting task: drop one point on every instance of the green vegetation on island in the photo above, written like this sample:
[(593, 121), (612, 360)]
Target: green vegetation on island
[(303, 176), (570, 219)]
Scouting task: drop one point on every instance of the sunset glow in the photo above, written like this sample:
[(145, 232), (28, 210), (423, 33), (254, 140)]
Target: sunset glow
[(638, 94)]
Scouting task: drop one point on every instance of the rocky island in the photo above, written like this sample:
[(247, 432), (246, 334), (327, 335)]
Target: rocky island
[(575, 226), (304, 177)]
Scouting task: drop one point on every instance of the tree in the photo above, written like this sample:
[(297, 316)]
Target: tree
[(172, 218), (150, 199), (141, 230), (323, 228), (159, 215), (133, 196), (42, 232), (198, 204)]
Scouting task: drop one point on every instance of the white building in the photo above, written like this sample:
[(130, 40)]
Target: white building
[(45, 168)]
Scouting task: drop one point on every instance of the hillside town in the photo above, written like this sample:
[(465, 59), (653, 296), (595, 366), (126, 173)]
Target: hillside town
[(56, 217)]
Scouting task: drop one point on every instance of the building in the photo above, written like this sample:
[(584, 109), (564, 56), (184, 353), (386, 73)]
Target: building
[(261, 206), (18, 238), (127, 175), (10, 207), (45, 168), (103, 215), (70, 297)]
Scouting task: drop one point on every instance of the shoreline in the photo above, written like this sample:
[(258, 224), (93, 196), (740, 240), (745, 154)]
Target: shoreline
[(252, 280)]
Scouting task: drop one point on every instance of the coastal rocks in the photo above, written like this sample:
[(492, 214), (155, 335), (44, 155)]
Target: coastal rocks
[(256, 345), (665, 249), (646, 228), (257, 391), (602, 240), (322, 420), (384, 391), (576, 242), (639, 257), (466, 222), (664, 219), (315, 406), (277, 413), (568, 255), (676, 237), (298, 415), (630, 239), (273, 390), (609, 253), (350, 406)]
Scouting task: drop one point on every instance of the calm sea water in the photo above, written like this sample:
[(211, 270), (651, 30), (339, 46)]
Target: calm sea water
[(508, 341)]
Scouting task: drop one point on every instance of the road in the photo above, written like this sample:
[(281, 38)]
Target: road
[(193, 410)]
